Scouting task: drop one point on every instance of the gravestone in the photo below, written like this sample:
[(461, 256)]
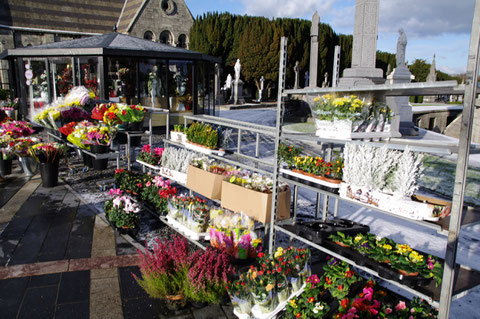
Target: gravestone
[(364, 51), (238, 85), (218, 92), (260, 92), (314, 51), (431, 77), (336, 66)]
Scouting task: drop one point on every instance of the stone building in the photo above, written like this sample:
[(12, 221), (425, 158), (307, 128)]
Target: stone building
[(36, 22)]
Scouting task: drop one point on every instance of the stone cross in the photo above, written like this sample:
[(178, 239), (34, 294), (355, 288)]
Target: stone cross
[(314, 50), (364, 50), (296, 69), (401, 48)]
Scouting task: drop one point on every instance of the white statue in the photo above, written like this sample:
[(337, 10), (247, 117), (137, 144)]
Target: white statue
[(401, 48), (238, 67), (228, 82)]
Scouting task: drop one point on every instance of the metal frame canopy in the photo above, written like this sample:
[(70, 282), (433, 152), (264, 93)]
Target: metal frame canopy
[(112, 44)]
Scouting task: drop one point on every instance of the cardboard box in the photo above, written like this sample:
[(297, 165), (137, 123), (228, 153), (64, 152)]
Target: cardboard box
[(205, 183), (254, 204)]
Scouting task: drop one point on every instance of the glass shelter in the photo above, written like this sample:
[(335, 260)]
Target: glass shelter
[(118, 68)]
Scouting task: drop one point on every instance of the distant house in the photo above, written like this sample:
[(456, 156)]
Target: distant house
[(35, 22)]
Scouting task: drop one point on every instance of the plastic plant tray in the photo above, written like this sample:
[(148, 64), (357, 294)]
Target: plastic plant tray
[(318, 231)]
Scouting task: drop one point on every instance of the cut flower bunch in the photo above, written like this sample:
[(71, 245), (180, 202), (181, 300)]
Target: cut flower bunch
[(47, 152)]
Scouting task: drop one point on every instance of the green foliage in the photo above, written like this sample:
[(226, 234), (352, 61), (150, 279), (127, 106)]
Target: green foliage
[(203, 134), (4, 94)]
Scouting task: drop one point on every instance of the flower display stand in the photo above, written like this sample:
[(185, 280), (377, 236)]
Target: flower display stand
[(176, 176), (257, 314), (399, 206), (202, 149), (186, 231), (310, 179), (348, 130)]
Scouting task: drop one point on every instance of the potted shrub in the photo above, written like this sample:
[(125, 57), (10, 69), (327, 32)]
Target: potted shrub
[(48, 155), (202, 137), (208, 277), (164, 272)]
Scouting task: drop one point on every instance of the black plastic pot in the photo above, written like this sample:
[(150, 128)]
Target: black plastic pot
[(5, 167), (100, 164), (87, 160), (49, 174), (318, 231)]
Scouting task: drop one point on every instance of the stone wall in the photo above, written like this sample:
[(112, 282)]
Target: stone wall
[(435, 121), (157, 20)]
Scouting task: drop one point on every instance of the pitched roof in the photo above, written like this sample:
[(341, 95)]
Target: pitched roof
[(130, 12), (92, 16), (108, 44)]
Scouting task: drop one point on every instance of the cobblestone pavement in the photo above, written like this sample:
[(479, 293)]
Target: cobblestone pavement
[(60, 259)]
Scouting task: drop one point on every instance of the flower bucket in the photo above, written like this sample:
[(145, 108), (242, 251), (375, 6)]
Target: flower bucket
[(87, 160), (49, 174), (99, 164), (283, 291), (242, 306), (5, 166), (296, 283), (28, 165)]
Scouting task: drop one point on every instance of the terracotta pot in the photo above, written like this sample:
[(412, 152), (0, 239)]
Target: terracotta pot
[(333, 181), (408, 274), (341, 244)]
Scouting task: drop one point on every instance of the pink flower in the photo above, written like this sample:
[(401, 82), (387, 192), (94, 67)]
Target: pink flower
[(139, 185), (401, 306), (158, 151), (368, 292), (412, 310), (388, 311), (148, 184), (411, 317), (146, 148), (115, 191)]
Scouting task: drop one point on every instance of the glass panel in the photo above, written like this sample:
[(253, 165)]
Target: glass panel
[(62, 76), (180, 85), (122, 80), (88, 73), (37, 94), (153, 83), (202, 93)]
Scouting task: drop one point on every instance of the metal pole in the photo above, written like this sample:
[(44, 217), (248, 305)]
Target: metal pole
[(280, 109), (257, 145), (462, 167), (239, 141), (295, 200)]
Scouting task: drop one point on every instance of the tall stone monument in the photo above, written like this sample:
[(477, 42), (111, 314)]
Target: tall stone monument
[(400, 104), (336, 67), (314, 51), (431, 77), (364, 51), (262, 88)]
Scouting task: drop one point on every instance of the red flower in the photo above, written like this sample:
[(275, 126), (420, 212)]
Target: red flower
[(260, 255), (328, 281), (311, 299), (124, 112), (340, 287), (298, 315), (139, 185), (345, 303), (349, 274), (279, 269)]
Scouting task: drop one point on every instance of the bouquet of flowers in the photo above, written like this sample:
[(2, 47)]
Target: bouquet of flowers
[(122, 210), (153, 158), (79, 134), (49, 117), (23, 144), (47, 152), (130, 113), (110, 116), (99, 135), (6, 147), (99, 110), (74, 114), (329, 107), (17, 129), (68, 129)]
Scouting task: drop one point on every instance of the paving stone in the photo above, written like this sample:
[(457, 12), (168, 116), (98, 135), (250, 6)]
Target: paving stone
[(128, 285), (138, 308), (209, 312), (56, 240), (79, 246), (103, 273), (83, 226), (39, 303), (16, 228), (228, 311), (44, 280), (11, 295), (105, 301), (31, 207), (78, 310), (74, 287), (9, 189), (7, 247), (123, 246)]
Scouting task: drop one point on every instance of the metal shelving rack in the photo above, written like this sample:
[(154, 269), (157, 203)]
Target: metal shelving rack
[(463, 148)]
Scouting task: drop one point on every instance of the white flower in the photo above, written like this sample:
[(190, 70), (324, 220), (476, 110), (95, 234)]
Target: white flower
[(318, 307)]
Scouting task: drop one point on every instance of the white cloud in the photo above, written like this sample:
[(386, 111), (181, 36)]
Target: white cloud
[(426, 17), (287, 8)]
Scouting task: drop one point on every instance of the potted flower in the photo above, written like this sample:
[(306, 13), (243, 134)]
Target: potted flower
[(342, 239), (122, 210), (6, 155), (131, 182), (309, 304), (48, 156), (287, 153), (178, 133), (202, 135), (164, 271), (262, 288), (338, 278), (239, 292), (131, 117), (156, 193), (152, 158), (208, 277)]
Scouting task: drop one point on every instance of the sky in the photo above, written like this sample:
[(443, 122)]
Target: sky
[(440, 27)]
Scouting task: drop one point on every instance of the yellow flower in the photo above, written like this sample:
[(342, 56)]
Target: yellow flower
[(416, 257), (387, 247), (269, 287), (403, 249), (279, 252), (293, 303), (317, 99), (358, 238)]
